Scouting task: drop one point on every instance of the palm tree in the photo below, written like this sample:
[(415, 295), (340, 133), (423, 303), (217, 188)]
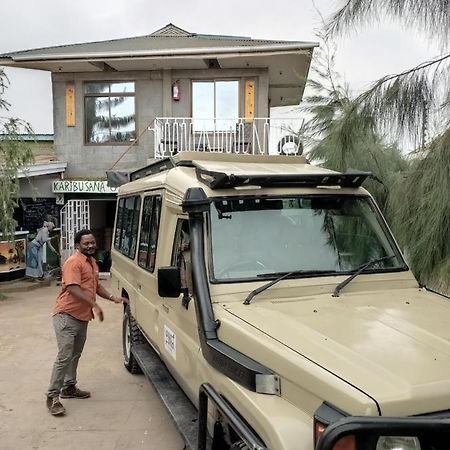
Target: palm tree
[(415, 105)]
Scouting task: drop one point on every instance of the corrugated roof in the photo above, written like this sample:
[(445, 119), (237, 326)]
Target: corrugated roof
[(37, 137), (167, 38), (34, 137), (287, 62)]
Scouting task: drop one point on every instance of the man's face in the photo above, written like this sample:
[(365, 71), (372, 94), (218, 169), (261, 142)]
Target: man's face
[(87, 245)]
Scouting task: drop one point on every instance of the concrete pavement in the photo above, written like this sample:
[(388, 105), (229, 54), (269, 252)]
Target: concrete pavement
[(124, 411)]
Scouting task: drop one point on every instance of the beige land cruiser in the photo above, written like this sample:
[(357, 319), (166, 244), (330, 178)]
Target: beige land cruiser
[(274, 294)]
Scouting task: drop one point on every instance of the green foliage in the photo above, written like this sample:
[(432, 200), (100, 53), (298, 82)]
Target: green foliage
[(15, 154), (414, 106), (432, 17), (420, 212), (340, 133), (410, 105)]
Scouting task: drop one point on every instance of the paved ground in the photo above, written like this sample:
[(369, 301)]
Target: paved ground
[(124, 411)]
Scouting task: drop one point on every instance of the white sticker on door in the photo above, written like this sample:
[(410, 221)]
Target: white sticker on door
[(170, 342)]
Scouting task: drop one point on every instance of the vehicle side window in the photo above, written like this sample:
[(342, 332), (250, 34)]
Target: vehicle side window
[(127, 225), (149, 232), (181, 254), (119, 220)]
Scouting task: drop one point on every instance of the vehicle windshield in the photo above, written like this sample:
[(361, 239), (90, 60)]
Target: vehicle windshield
[(264, 237)]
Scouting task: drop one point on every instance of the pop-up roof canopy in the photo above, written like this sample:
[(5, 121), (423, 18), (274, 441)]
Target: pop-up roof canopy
[(224, 171), (173, 48)]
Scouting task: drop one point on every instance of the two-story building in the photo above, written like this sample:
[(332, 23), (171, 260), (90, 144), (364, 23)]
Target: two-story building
[(119, 104)]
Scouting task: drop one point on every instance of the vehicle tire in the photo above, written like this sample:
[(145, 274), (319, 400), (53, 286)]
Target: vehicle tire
[(131, 335), (290, 145)]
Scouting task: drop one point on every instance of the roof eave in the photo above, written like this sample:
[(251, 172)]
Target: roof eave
[(200, 52), (42, 169)]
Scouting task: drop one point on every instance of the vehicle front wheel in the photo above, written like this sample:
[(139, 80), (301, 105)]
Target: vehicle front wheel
[(131, 335)]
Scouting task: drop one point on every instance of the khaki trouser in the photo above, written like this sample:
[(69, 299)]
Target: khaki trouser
[(70, 337)]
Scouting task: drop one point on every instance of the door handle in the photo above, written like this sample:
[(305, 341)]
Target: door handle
[(139, 286)]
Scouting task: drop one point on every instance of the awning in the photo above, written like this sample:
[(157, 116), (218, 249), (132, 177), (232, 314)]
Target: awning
[(46, 168)]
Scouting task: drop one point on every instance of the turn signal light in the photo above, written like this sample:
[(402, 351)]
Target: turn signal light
[(346, 443), (319, 429)]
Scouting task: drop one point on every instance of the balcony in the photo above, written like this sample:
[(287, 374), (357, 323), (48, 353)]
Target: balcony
[(261, 136)]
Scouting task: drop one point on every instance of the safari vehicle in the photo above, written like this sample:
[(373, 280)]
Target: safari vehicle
[(274, 294)]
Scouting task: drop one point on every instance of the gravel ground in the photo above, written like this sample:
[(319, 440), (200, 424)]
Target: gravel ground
[(124, 411)]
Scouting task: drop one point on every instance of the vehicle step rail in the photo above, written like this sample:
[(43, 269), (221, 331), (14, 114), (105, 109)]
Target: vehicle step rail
[(180, 408)]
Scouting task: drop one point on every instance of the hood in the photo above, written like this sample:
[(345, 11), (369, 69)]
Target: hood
[(393, 345)]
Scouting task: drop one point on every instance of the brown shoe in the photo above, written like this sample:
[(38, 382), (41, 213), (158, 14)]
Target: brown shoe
[(55, 407), (74, 392)]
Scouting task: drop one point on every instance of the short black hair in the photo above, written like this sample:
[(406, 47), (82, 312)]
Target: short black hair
[(80, 234)]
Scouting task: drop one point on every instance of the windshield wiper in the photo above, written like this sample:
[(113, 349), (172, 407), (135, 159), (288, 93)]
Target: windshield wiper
[(280, 278), (360, 269)]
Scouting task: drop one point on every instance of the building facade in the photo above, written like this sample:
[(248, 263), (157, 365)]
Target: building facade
[(120, 104)]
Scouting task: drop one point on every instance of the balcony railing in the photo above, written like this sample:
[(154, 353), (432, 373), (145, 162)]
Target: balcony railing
[(262, 136)]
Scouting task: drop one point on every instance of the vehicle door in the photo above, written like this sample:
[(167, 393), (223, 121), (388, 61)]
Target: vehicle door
[(148, 305), (178, 318)]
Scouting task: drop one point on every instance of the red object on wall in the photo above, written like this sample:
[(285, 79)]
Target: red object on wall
[(176, 91)]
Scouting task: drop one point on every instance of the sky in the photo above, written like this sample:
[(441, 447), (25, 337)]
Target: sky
[(361, 57)]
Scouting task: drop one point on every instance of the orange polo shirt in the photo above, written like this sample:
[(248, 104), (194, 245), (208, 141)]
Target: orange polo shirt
[(81, 270)]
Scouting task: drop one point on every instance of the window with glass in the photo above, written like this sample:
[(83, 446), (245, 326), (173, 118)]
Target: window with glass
[(127, 224), (317, 235), (215, 105), (119, 222), (109, 109), (151, 212)]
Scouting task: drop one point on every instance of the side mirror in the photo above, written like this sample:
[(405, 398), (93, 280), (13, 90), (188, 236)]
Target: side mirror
[(169, 281)]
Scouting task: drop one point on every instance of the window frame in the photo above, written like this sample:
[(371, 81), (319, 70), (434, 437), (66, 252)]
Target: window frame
[(135, 220), (214, 118), (176, 247), (403, 267), (109, 95), (156, 197)]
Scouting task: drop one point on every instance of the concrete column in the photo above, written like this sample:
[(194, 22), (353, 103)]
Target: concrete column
[(167, 93), (263, 96)]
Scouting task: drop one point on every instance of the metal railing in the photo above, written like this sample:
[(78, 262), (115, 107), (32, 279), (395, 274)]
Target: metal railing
[(260, 136)]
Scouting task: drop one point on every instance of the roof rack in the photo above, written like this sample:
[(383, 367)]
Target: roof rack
[(157, 166), (221, 180), (118, 177)]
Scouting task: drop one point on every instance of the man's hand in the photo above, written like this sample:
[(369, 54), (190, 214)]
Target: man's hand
[(123, 300), (98, 312)]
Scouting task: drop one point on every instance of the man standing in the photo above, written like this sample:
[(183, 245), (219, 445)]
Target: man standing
[(74, 308)]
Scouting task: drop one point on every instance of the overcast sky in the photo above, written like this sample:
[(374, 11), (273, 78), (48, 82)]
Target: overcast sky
[(25, 24)]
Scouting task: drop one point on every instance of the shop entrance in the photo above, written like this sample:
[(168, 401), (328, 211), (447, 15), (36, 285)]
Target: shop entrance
[(102, 215)]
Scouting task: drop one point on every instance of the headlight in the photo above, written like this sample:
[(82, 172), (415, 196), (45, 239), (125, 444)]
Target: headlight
[(398, 443)]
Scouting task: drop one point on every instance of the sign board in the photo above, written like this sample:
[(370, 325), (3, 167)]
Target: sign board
[(12, 255), (35, 213), (82, 187), (170, 342), (59, 199), (249, 100), (70, 104)]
